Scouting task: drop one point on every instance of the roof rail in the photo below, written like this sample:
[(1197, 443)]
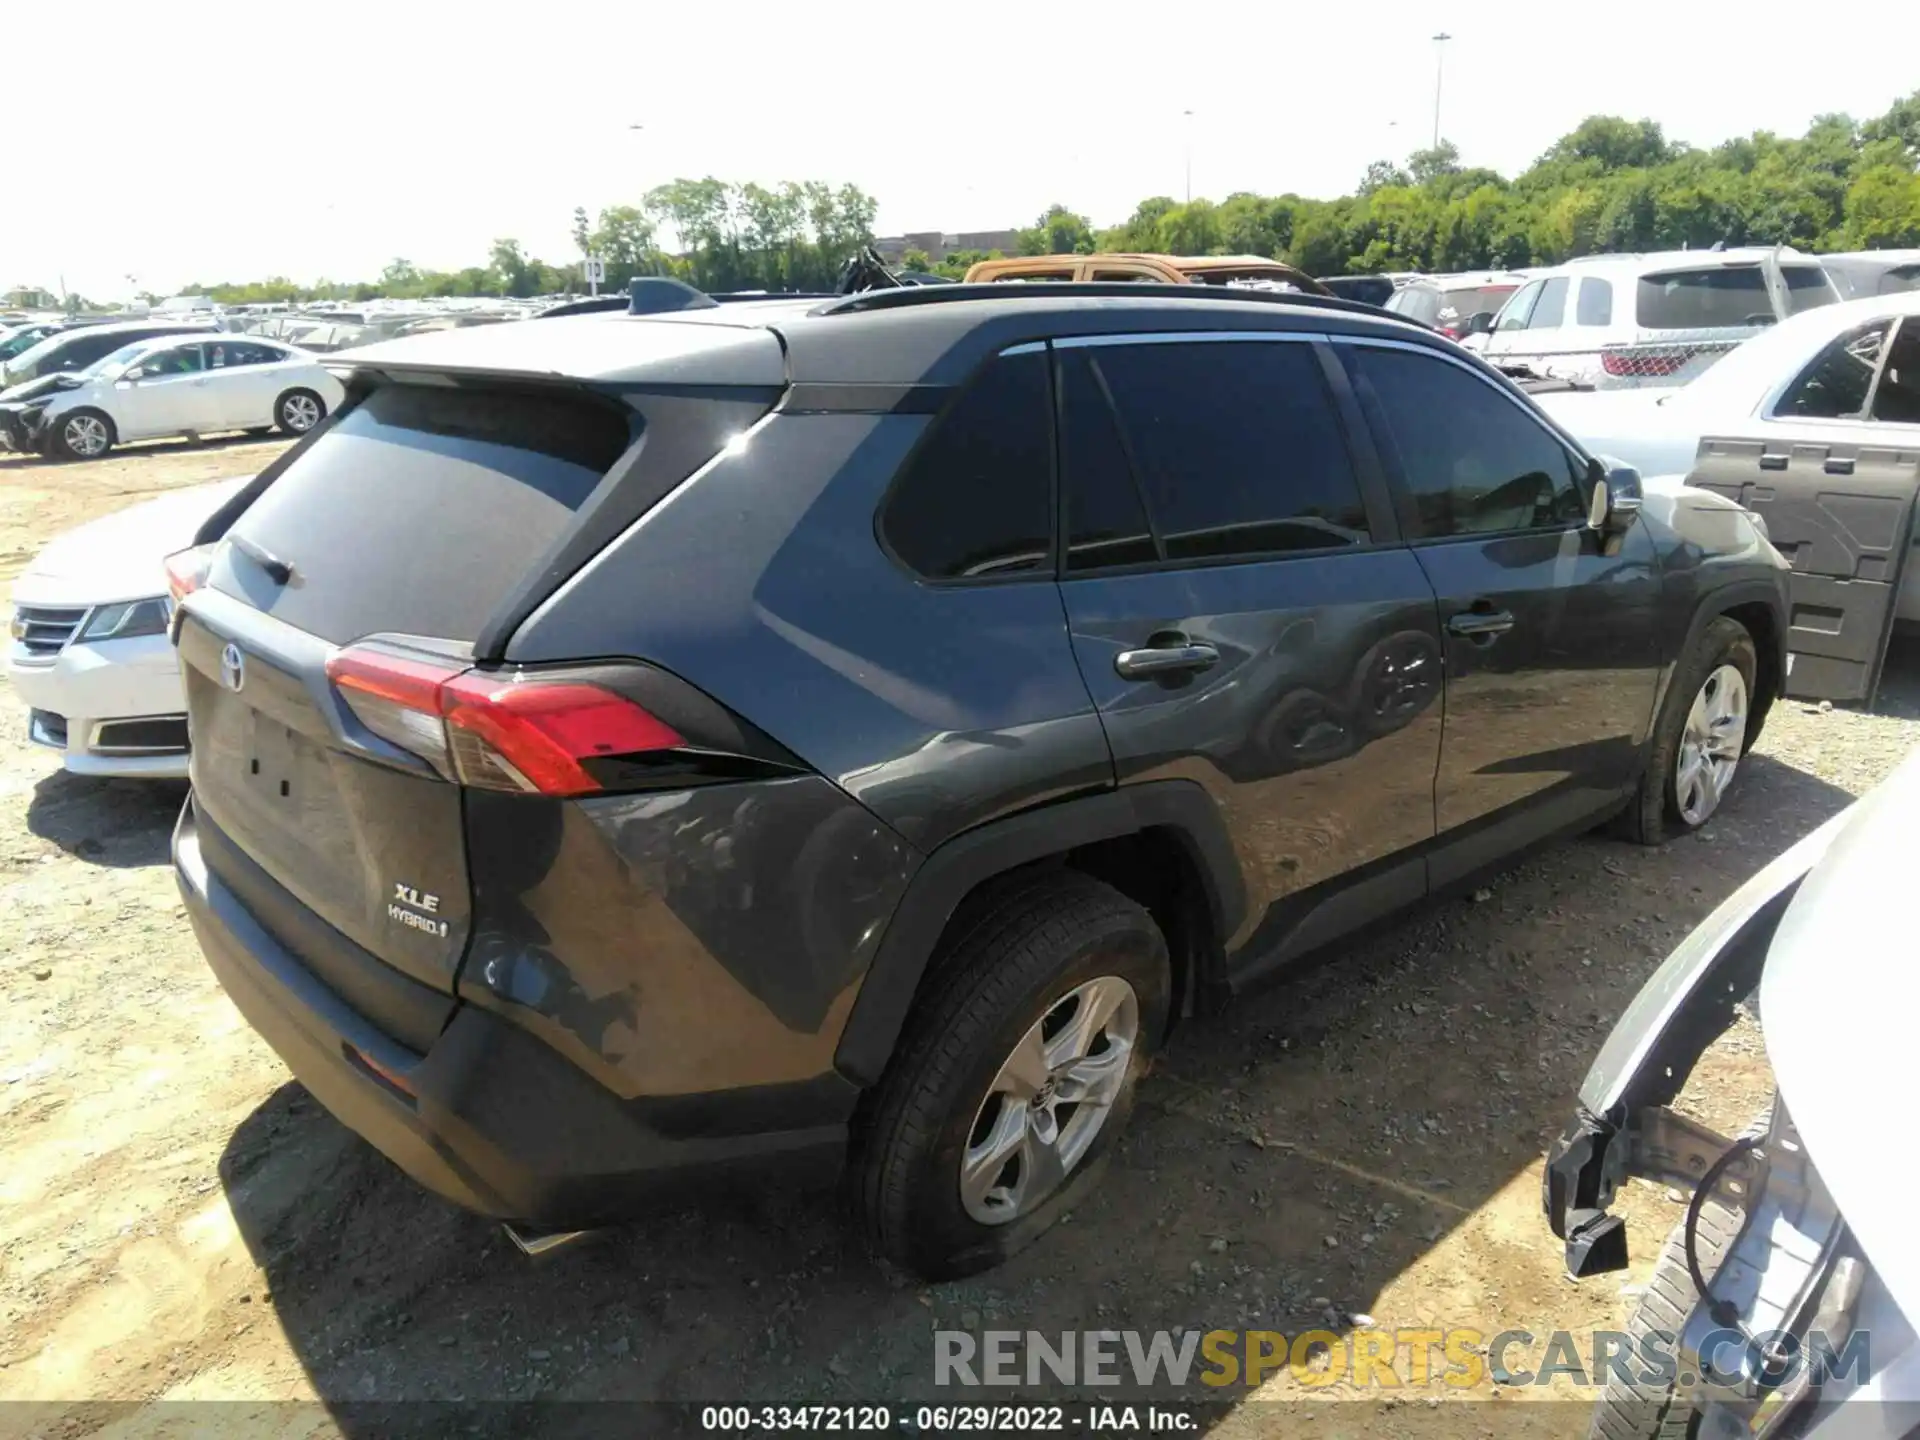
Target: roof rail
[(908, 297)]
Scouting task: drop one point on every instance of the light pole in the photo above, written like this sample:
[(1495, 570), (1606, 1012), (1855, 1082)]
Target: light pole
[(1439, 67), (1189, 149)]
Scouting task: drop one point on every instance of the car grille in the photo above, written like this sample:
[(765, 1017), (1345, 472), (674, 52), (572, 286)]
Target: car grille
[(41, 632)]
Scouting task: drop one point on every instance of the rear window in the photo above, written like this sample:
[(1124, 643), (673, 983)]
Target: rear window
[(1898, 279), (1417, 302), (421, 508), (1723, 297), (1463, 305), (1807, 288)]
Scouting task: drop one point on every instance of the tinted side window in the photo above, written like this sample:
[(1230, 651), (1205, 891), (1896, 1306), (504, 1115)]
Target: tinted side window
[(1106, 513), (1551, 305), (1236, 446), (1720, 298), (976, 499), (1834, 386), (78, 354), (1898, 398), (1596, 301), (1475, 461)]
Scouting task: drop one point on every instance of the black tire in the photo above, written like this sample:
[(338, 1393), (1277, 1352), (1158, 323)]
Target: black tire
[(1652, 1409), (1654, 815), (1010, 955), (59, 445), (296, 401)]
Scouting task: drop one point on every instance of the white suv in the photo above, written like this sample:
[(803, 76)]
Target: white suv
[(1618, 321)]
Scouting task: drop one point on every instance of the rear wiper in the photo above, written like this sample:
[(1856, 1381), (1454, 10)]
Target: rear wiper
[(278, 570)]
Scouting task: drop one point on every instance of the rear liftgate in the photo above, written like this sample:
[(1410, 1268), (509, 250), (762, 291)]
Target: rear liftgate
[(1843, 516)]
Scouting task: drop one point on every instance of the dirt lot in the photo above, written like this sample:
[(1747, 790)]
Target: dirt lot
[(178, 1221)]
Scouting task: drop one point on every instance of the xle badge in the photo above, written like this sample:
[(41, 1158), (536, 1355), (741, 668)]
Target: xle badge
[(416, 911)]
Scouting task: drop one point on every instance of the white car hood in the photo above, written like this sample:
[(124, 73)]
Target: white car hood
[(118, 557), (1839, 1001)]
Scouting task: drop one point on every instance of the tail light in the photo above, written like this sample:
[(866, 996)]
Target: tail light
[(1452, 332), (187, 570), (495, 732), (1643, 364)]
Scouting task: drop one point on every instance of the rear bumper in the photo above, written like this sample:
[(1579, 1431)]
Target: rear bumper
[(490, 1117)]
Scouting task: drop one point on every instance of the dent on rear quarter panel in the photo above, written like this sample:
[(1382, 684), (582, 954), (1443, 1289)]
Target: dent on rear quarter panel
[(681, 942), (761, 581)]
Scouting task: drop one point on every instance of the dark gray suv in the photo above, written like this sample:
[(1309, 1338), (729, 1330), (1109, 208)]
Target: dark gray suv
[(845, 736)]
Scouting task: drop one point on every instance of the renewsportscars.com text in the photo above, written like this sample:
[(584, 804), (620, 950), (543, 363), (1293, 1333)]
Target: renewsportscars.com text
[(1459, 1358)]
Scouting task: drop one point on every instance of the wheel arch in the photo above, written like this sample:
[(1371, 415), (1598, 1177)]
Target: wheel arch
[(1759, 607), (1161, 843)]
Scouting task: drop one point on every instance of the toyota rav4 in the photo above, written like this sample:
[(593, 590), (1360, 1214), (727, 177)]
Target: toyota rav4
[(845, 736)]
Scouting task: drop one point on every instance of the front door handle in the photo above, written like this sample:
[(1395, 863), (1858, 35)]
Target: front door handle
[(1480, 624), (1164, 660)]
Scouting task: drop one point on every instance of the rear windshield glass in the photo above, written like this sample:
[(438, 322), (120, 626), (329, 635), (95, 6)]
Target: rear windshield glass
[(1807, 288), (422, 507), (1416, 302), (1467, 303), (1720, 298)]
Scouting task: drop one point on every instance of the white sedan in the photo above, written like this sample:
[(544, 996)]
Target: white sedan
[(1844, 374), (90, 654), (171, 386)]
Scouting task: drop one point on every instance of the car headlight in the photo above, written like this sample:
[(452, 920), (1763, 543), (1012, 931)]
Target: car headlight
[(128, 620)]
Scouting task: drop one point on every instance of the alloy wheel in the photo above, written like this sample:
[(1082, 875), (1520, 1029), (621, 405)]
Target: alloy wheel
[(1710, 745), (1049, 1100), (300, 412), (86, 435)]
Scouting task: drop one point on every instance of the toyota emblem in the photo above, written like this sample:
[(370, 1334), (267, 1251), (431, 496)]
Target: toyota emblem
[(233, 667)]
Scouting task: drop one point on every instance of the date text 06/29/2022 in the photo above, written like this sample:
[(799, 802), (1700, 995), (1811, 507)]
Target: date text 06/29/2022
[(1117, 1419)]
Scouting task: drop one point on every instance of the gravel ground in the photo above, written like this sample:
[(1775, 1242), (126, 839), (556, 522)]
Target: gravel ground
[(179, 1221)]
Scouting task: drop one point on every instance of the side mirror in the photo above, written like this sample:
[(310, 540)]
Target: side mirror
[(135, 373), (1615, 500), (1480, 323)]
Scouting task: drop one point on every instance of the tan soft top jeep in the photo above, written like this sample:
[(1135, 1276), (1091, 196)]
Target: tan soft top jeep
[(1165, 269)]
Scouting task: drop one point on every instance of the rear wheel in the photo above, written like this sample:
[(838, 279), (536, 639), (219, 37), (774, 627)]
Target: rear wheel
[(298, 411), (82, 435), (1015, 1076), (1700, 736)]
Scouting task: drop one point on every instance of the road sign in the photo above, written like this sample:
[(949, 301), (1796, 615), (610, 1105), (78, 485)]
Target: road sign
[(596, 272)]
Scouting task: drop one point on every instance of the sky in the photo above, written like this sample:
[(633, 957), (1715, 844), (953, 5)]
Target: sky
[(234, 139)]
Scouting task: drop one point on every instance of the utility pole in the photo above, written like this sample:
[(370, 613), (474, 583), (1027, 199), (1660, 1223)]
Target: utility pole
[(1439, 69), (1189, 149)]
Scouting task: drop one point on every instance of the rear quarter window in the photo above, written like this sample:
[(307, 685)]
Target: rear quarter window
[(420, 508), (1722, 297), (975, 501)]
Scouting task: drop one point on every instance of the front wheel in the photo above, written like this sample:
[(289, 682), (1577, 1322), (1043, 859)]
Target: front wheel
[(1700, 737), (298, 411), (1015, 1076), (82, 435)]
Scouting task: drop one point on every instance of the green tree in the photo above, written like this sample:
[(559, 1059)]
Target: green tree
[(1058, 232)]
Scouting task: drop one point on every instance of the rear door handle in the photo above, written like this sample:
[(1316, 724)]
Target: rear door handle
[(1164, 660), (1479, 624)]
